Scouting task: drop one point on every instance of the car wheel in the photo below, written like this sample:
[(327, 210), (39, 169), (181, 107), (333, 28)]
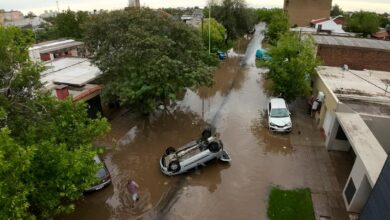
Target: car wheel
[(206, 134), (214, 147), (174, 166), (170, 150)]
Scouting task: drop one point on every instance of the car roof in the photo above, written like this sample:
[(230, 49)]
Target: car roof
[(278, 103)]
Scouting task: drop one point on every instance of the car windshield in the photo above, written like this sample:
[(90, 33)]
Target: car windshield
[(279, 113)]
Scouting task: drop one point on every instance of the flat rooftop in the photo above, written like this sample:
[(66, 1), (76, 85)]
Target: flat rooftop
[(364, 143), (362, 85), (352, 42), (54, 45), (69, 71)]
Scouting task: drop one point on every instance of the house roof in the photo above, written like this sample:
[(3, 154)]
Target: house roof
[(316, 21), (50, 46), (352, 42), (33, 22), (364, 143), (366, 85), (381, 34), (69, 71)]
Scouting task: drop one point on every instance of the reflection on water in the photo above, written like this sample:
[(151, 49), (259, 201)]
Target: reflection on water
[(273, 142)]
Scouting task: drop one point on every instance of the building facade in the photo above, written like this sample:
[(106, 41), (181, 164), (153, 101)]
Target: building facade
[(301, 12), (355, 119), (357, 53)]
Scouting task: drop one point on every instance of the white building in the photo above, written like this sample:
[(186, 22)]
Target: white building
[(355, 119)]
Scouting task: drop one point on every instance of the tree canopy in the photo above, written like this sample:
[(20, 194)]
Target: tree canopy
[(336, 10), (363, 22), (293, 61), (146, 57), (277, 22), (217, 34), (46, 152), (66, 24), (234, 15)]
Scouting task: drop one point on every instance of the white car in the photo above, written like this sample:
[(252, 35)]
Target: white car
[(193, 154), (279, 116)]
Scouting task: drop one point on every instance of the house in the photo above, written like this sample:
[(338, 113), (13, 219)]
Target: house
[(381, 35), (328, 25), (357, 53), (355, 119), (31, 23), (51, 50), (11, 15), (301, 12), (75, 77), (195, 19)]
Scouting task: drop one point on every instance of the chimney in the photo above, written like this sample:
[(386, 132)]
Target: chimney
[(62, 91)]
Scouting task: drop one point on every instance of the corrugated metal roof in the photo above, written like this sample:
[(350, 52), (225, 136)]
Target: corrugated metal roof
[(50, 46), (352, 42)]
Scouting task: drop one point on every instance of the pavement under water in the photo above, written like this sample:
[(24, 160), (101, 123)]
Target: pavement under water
[(235, 107)]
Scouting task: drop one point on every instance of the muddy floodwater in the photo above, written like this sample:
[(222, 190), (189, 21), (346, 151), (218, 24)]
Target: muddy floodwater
[(235, 107)]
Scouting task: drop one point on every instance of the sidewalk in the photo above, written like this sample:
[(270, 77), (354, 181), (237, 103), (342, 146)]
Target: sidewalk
[(318, 171)]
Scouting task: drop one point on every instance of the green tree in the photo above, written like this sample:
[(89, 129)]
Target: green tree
[(336, 10), (217, 34), (15, 162), (384, 20), (19, 76), (277, 27), (147, 57), (45, 142), (66, 24), (293, 61), (363, 22), (234, 16), (266, 15)]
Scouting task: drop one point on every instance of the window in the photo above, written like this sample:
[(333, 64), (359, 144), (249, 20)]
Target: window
[(350, 191)]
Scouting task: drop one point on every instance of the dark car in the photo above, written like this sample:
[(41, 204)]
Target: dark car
[(103, 175), (221, 55), (252, 30)]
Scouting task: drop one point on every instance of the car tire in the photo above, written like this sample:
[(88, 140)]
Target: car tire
[(206, 134), (170, 150), (214, 147), (174, 166)]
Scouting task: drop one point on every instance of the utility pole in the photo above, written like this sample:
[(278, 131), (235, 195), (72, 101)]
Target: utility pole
[(210, 27)]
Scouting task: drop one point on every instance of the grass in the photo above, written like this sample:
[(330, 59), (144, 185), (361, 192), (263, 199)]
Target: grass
[(290, 204), (260, 63)]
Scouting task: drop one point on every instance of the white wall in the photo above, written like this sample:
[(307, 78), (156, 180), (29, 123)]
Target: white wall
[(362, 185)]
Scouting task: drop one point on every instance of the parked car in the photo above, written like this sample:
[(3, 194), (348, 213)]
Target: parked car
[(193, 154), (103, 175), (252, 30), (279, 119), (221, 55), (262, 54)]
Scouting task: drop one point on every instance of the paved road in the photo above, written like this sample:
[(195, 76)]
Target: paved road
[(235, 107)]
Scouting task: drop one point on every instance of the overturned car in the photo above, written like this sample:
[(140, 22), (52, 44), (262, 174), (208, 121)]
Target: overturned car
[(193, 154)]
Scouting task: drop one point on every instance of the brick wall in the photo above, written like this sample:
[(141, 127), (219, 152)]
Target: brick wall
[(355, 58), (301, 12)]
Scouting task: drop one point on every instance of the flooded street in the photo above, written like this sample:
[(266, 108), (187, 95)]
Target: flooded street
[(235, 106)]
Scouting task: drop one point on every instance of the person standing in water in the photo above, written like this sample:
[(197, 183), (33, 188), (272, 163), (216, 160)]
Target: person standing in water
[(133, 187)]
